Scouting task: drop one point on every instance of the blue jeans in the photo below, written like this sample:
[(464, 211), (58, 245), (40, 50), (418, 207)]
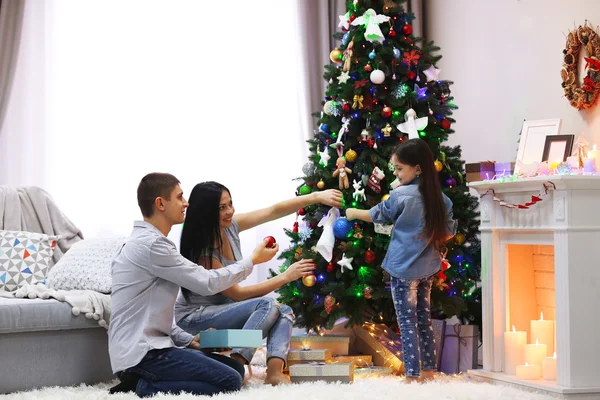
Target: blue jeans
[(263, 313), (412, 303), (175, 370)]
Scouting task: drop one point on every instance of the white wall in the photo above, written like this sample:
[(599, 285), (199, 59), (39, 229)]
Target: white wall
[(505, 58)]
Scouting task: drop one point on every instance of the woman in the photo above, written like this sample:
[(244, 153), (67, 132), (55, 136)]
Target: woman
[(210, 237)]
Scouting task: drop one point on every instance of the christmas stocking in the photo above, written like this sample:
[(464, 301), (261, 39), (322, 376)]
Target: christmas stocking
[(375, 180)]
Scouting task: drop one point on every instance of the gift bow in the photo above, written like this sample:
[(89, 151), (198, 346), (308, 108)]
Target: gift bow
[(462, 340), (358, 101)]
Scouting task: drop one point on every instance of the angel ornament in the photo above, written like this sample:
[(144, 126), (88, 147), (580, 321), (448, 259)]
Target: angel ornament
[(342, 171), (412, 124), (372, 20)]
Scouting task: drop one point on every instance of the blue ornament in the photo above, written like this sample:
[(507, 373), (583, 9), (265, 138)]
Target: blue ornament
[(324, 128), (345, 38), (397, 53), (354, 75), (356, 115), (341, 228), (372, 55), (373, 91)]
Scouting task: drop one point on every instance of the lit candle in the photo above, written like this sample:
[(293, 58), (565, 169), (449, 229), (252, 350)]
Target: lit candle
[(543, 330), (535, 353), (549, 367), (589, 165), (529, 371), (514, 350), (595, 154)]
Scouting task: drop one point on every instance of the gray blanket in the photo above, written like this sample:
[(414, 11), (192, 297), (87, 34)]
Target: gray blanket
[(31, 209)]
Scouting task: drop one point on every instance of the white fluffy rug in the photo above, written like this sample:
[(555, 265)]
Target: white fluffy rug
[(445, 388)]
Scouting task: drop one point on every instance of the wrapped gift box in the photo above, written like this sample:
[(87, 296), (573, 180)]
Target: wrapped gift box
[(361, 360), (386, 347), (372, 372), (480, 171), (343, 372), (304, 356), (338, 344), (460, 348), (229, 338), (504, 169)]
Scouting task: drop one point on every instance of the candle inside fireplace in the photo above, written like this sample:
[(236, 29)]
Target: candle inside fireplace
[(529, 371), (549, 368), (535, 353), (514, 350), (543, 330)]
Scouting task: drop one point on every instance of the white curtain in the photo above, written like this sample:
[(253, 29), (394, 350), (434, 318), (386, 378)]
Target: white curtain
[(203, 90)]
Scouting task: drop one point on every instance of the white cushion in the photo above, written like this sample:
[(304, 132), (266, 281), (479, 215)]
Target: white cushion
[(86, 266)]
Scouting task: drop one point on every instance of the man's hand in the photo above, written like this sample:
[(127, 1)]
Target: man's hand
[(195, 343), (262, 253), (330, 197)]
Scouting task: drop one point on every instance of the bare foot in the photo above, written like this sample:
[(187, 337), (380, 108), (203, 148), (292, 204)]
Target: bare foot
[(411, 379), (277, 379), (427, 376)]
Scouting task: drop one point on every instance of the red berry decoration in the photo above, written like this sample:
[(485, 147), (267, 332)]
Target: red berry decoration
[(352, 18), (411, 75), (330, 267), (445, 124), (370, 256), (271, 241), (368, 68), (301, 211), (346, 107), (392, 33), (386, 112), (407, 29)]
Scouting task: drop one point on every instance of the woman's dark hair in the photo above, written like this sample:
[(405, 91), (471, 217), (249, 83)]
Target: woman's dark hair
[(201, 235), (415, 152)]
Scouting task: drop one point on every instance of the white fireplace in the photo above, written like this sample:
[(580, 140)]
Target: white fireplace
[(543, 259)]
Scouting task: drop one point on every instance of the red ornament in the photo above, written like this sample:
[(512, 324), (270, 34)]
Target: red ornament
[(392, 33), (301, 211), (411, 75), (330, 267), (445, 264), (352, 18), (329, 303), (271, 241), (445, 124), (295, 228), (368, 67), (346, 107), (370, 256), (408, 40), (407, 29), (442, 276), (386, 112)]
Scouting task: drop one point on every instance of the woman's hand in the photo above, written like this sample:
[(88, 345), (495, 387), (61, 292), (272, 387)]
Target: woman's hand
[(350, 214), (299, 269), (330, 197)]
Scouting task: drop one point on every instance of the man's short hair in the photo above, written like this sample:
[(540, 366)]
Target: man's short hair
[(153, 185)]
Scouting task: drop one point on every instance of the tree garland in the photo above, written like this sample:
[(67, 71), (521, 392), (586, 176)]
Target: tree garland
[(584, 96)]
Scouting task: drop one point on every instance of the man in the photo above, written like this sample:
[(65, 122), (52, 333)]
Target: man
[(148, 352)]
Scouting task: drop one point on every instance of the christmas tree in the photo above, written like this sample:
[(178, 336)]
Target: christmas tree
[(383, 88)]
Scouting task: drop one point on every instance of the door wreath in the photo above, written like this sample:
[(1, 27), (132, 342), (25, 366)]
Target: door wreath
[(585, 95)]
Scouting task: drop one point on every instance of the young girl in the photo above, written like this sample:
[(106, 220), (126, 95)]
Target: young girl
[(210, 237), (422, 217)]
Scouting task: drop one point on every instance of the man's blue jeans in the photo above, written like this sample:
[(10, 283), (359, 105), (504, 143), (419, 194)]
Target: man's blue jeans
[(412, 303), (175, 370), (263, 313)]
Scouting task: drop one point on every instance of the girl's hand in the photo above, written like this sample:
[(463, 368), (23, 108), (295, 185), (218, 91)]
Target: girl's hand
[(299, 269), (330, 197), (350, 214)]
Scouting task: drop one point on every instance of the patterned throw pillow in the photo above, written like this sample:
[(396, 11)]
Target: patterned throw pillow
[(25, 257), (86, 266)]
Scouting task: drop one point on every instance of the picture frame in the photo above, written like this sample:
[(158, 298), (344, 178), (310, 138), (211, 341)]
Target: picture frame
[(558, 147), (533, 140)]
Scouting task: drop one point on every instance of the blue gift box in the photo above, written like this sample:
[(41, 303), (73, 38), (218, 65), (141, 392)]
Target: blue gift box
[(229, 338)]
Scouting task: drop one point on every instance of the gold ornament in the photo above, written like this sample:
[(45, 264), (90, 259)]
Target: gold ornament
[(385, 197), (438, 165), (358, 101), (387, 130), (298, 253), (321, 185), (351, 155), (459, 238), (309, 280), (329, 107), (336, 56)]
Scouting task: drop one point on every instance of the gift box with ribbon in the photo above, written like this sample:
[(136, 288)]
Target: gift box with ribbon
[(320, 371), (359, 361), (338, 344), (303, 356), (228, 338), (372, 372), (460, 348), (504, 169), (480, 171)]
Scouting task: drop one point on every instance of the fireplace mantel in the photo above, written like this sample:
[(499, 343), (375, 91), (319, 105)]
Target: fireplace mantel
[(567, 218)]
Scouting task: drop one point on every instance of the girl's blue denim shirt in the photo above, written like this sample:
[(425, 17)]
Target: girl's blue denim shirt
[(409, 255)]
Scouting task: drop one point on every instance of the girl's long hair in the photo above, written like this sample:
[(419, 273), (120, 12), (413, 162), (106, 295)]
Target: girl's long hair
[(415, 152), (201, 233)]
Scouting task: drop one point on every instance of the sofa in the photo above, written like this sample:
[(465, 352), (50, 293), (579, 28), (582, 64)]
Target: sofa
[(56, 335)]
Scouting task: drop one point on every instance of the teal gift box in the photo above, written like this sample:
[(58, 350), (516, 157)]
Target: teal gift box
[(229, 338)]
